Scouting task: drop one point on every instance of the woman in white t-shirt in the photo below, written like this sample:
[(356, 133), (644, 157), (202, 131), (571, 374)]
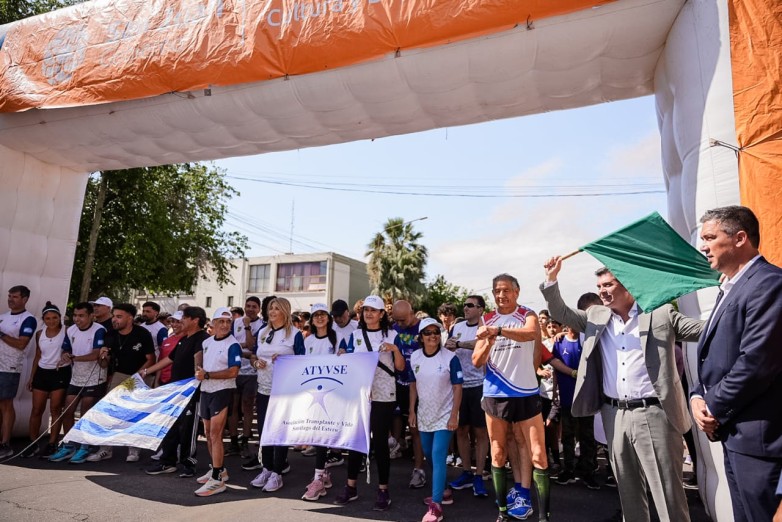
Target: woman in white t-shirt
[(321, 341), (374, 334), (278, 337), (435, 397), (49, 380)]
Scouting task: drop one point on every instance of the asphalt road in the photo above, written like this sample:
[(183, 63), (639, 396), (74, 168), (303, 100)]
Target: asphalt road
[(38, 491)]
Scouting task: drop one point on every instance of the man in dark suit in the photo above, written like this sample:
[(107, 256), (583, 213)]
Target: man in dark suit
[(739, 399), (627, 372)]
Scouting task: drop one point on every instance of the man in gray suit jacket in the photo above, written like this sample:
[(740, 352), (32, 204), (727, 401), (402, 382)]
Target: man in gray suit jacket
[(628, 373)]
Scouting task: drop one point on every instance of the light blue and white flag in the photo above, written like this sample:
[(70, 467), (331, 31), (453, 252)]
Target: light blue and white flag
[(133, 414), (321, 400)]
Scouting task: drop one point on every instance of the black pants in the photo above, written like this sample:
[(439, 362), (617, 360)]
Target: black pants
[(583, 430), (182, 434), (272, 457), (551, 431), (380, 419)]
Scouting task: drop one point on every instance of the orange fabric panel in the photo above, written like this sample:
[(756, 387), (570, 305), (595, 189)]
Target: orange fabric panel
[(110, 50), (756, 62)]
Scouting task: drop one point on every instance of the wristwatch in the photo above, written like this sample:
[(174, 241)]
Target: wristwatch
[(499, 331), (206, 375), (247, 328), (457, 344)]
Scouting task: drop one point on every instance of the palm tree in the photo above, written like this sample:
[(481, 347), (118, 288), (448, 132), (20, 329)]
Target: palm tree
[(397, 261)]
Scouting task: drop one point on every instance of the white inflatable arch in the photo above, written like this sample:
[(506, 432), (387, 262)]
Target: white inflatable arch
[(111, 85)]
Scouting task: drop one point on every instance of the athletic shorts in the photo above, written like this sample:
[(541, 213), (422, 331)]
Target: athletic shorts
[(9, 385), (247, 386), (512, 409), (96, 390), (52, 380), (212, 403), (470, 411)]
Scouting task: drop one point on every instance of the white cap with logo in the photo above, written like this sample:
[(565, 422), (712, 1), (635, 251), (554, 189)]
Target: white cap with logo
[(319, 307), (375, 302), (103, 300), (428, 321), (177, 316)]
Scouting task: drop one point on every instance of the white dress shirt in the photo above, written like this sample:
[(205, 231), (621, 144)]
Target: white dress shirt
[(624, 366), (728, 284)]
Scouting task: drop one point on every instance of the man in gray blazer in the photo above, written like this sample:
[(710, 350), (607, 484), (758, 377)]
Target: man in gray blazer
[(628, 373)]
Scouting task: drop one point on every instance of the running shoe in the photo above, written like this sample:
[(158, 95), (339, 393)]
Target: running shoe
[(274, 483), (383, 501), (417, 478), (157, 455), (434, 513), (252, 464), (80, 456), (133, 455), (211, 487), (315, 490), (31, 451), (286, 469), (463, 481), (203, 479), (334, 460), (64, 452), (521, 509), (349, 494), (478, 489), (447, 498), (565, 477), (160, 469), (5, 451), (232, 449), (260, 480), (186, 472), (310, 451), (590, 482), (101, 454), (50, 450), (326, 479)]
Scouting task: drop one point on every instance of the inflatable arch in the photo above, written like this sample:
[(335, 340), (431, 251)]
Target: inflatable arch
[(115, 84)]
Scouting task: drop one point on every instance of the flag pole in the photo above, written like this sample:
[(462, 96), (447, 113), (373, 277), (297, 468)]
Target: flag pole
[(571, 254)]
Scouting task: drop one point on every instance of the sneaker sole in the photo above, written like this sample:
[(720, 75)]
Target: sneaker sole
[(60, 459), (272, 490), (161, 472), (351, 499), (383, 508), (211, 492), (459, 488), (253, 468), (519, 517), (313, 499)]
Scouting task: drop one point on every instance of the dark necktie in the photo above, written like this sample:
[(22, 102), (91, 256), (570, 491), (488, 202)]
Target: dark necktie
[(719, 298)]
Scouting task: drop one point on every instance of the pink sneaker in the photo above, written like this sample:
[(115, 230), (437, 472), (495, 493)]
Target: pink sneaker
[(315, 490), (326, 479), (434, 513), (447, 498)]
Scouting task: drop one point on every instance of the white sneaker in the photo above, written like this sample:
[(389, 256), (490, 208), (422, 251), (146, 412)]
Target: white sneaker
[(310, 451), (260, 480), (203, 479), (157, 455), (133, 455), (274, 483), (101, 454), (212, 487)]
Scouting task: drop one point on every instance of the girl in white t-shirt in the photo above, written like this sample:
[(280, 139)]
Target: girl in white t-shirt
[(48, 380), (437, 390), (279, 337), (374, 333)]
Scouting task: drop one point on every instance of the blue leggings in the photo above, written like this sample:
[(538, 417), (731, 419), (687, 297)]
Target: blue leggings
[(435, 445)]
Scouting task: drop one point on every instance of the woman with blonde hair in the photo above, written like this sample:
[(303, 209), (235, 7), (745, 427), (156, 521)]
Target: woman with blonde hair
[(278, 337)]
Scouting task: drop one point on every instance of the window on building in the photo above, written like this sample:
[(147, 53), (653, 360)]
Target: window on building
[(208, 302), (301, 277), (260, 275), (230, 301)]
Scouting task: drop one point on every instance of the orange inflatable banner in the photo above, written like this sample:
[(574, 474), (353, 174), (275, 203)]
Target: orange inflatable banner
[(108, 50)]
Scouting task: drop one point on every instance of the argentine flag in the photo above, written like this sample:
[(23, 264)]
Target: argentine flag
[(133, 414)]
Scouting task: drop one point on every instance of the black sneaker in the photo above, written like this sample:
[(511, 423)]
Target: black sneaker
[(333, 460), (232, 449), (691, 483), (590, 482), (160, 468), (566, 477), (50, 450), (31, 451), (349, 494), (186, 472), (251, 464), (611, 481)]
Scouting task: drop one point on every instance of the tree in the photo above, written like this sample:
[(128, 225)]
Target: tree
[(441, 291), (13, 10), (160, 229), (397, 262)]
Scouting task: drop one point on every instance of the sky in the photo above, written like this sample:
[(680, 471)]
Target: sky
[(585, 172)]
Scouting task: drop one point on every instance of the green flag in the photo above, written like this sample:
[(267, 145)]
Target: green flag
[(653, 262)]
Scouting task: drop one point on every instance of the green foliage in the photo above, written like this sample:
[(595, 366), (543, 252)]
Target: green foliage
[(397, 262), (441, 291), (161, 229), (13, 10)]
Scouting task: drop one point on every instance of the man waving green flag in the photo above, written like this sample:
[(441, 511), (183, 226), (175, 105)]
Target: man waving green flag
[(653, 262)]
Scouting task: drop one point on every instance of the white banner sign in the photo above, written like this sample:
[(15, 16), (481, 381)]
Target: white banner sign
[(321, 400)]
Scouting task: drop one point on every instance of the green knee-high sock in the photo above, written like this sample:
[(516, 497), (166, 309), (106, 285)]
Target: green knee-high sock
[(543, 485), (498, 477)]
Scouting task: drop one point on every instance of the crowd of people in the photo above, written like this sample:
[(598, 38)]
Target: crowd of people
[(497, 392)]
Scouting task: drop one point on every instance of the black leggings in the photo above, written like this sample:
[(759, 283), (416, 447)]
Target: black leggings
[(380, 419), (272, 457)]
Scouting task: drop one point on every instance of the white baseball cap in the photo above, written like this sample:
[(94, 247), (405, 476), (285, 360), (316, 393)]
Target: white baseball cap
[(375, 302), (428, 321), (319, 307), (178, 315), (103, 300), (222, 313)]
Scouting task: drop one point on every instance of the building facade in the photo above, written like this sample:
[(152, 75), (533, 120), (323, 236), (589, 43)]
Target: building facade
[(303, 279)]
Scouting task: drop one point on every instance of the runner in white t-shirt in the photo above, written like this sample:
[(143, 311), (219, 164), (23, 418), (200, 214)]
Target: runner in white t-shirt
[(222, 357), (279, 337), (508, 345), (437, 387), (343, 324), (150, 311), (375, 334)]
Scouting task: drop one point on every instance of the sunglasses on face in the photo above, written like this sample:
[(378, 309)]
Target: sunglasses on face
[(430, 333), (471, 305)]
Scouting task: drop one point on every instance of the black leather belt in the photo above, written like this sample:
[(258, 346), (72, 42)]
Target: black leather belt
[(631, 404)]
